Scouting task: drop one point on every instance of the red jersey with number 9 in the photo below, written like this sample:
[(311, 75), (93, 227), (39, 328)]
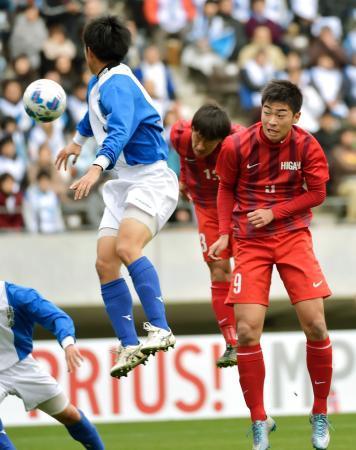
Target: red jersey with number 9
[(198, 174)]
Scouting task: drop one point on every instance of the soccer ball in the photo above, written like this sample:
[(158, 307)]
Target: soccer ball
[(44, 100)]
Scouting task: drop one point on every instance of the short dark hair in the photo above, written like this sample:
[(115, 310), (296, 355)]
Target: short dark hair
[(211, 122), (107, 38), (283, 91), (43, 173)]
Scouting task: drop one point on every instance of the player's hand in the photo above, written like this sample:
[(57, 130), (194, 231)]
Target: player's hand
[(83, 186), (73, 357), (260, 218), (64, 154), (184, 193), (218, 246)]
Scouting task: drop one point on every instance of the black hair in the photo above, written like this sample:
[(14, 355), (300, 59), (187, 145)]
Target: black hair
[(43, 174), (6, 176), (107, 38), (211, 122), (283, 91), (6, 139)]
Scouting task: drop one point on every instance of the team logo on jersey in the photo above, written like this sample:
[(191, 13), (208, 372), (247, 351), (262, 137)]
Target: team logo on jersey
[(291, 165), (10, 315)]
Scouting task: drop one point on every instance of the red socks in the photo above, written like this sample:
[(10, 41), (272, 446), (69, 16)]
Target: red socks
[(319, 363), (224, 313), (251, 369)]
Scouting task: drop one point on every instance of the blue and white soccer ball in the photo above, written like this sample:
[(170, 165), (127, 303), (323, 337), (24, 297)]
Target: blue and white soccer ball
[(44, 100)]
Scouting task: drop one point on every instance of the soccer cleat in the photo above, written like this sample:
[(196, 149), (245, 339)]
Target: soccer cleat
[(229, 358), (157, 339), (320, 434), (127, 359), (260, 431)]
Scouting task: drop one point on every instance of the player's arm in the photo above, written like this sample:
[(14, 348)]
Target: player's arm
[(52, 319), (316, 174), (118, 104), (227, 169)]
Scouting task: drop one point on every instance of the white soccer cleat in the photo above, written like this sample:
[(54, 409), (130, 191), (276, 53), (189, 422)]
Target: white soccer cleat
[(320, 434), (260, 431), (127, 359), (158, 339)]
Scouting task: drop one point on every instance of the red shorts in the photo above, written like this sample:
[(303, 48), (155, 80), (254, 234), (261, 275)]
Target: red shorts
[(208, 227), (293, 255)]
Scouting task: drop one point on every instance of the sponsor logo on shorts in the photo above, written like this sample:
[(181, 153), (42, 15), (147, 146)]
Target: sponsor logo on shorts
[(128, 317), (160, 299), (317, 284)]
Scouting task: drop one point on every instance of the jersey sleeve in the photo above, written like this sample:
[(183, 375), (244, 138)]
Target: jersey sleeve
[(84, 129), (315, 164), (118, 103), (227, 169), (44, 313)]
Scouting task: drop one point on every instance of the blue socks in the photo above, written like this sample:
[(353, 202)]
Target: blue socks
[(5, 443), (85, 433), (146, 282), (118, 304)]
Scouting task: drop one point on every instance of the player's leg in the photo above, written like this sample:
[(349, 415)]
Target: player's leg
[(220, 275), (319, 363), (136, 230), (78, 426), (304, 280), (249, 292), (5, 443), (118, 304)]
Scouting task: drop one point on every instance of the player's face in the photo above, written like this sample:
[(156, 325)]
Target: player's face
[(277, 120), (203, 147)]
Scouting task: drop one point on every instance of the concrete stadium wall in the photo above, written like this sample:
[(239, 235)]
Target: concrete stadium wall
[(62, 268)]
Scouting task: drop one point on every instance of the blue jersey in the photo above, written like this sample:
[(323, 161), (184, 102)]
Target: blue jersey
[(123, 120), (20, 309)]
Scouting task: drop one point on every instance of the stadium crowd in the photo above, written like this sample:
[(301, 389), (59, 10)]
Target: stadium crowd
[(229, 49)]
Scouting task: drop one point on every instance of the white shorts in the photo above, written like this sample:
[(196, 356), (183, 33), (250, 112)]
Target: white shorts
[(152, 188), (30, 382)]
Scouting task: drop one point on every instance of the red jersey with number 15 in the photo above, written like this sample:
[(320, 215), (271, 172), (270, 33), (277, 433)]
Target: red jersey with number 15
[(258, 174), (198, 174)]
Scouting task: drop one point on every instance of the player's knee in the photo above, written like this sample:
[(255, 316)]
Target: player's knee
[(246, 333), (104, 269), (317, 330), (127, 252)]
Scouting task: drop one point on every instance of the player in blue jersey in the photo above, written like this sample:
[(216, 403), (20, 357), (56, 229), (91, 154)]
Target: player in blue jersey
[(141, 198), (22, 375)]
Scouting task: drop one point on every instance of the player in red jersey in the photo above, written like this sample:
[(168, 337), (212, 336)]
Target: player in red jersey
[(263, 170), (198, 143)]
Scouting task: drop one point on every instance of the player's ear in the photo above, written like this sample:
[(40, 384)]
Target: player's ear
[(296, 117)]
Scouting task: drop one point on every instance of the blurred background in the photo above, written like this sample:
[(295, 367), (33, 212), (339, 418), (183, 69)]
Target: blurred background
[(184, 52)]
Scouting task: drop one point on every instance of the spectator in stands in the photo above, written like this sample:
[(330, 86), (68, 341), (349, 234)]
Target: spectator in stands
[(51, 133), (328, 133), (201, 53), (57, 45), (327, 43), (10, 162), (344, 155), (68, 73), (76, 102), (44, 163), (9, 127), (10, 204), (155, 76), (28, 35), (42, 211), (11, 104), (23, 72), (254, 74), (258, 17), (226, 9), (262, 40), (329, 82)]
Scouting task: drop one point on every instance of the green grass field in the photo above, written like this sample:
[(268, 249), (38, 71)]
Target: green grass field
[(293, 433)]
